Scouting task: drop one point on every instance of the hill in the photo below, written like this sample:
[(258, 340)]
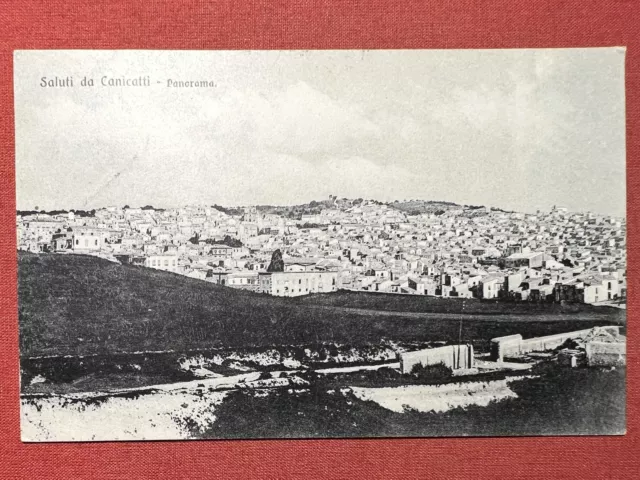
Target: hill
[(74, 304), (417, 207), (312, 208)]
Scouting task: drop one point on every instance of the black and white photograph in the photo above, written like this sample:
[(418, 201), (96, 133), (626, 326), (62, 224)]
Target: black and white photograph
[(320, 244)]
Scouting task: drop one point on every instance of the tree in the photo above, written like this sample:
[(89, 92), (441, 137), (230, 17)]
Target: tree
[(277, 264), (567, 263), (228, 240)]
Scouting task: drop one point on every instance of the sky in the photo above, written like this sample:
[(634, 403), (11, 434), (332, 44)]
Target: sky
[(517, 129)]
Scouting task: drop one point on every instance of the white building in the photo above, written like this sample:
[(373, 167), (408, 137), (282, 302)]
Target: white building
[(491, 286), (167, 262), (293, 284), (87, 240)]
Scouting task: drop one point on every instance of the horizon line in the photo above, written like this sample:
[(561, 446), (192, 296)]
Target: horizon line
[(390, 203)]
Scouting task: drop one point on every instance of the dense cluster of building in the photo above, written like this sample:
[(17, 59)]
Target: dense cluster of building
[(368, 246)]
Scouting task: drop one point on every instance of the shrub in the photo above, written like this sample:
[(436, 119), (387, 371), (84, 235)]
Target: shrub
[(438, 371)]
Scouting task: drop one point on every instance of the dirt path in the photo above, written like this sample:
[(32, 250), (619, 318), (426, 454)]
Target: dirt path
[(250, 380), (493, 317)]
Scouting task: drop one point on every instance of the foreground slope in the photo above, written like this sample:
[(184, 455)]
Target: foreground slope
[(74, 304)]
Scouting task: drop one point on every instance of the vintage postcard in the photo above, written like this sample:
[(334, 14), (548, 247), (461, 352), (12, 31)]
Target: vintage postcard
[(294, 244)]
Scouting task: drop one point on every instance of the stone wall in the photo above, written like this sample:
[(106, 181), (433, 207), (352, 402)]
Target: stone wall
[(452, 356), (514, 345), (606, 354), (549, 342), (507, 343)]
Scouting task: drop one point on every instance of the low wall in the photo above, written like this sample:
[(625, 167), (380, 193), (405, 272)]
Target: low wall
[(606, 354), (501, 344), (452, 356), (541, 344), (512, 346)]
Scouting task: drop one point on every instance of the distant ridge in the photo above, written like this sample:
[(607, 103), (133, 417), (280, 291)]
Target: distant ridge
[(417, 207), (313, 207)]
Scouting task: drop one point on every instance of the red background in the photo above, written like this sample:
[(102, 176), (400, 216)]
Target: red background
[(305, 24)]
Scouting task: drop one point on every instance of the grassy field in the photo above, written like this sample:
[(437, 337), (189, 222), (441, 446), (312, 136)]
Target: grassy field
[(74, 304), (426, 304)]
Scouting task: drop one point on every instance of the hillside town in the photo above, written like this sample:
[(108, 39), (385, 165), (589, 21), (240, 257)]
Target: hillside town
[(362, 245)]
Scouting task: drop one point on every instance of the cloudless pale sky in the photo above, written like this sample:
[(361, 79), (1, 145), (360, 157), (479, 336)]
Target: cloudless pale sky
[(518, 129)]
